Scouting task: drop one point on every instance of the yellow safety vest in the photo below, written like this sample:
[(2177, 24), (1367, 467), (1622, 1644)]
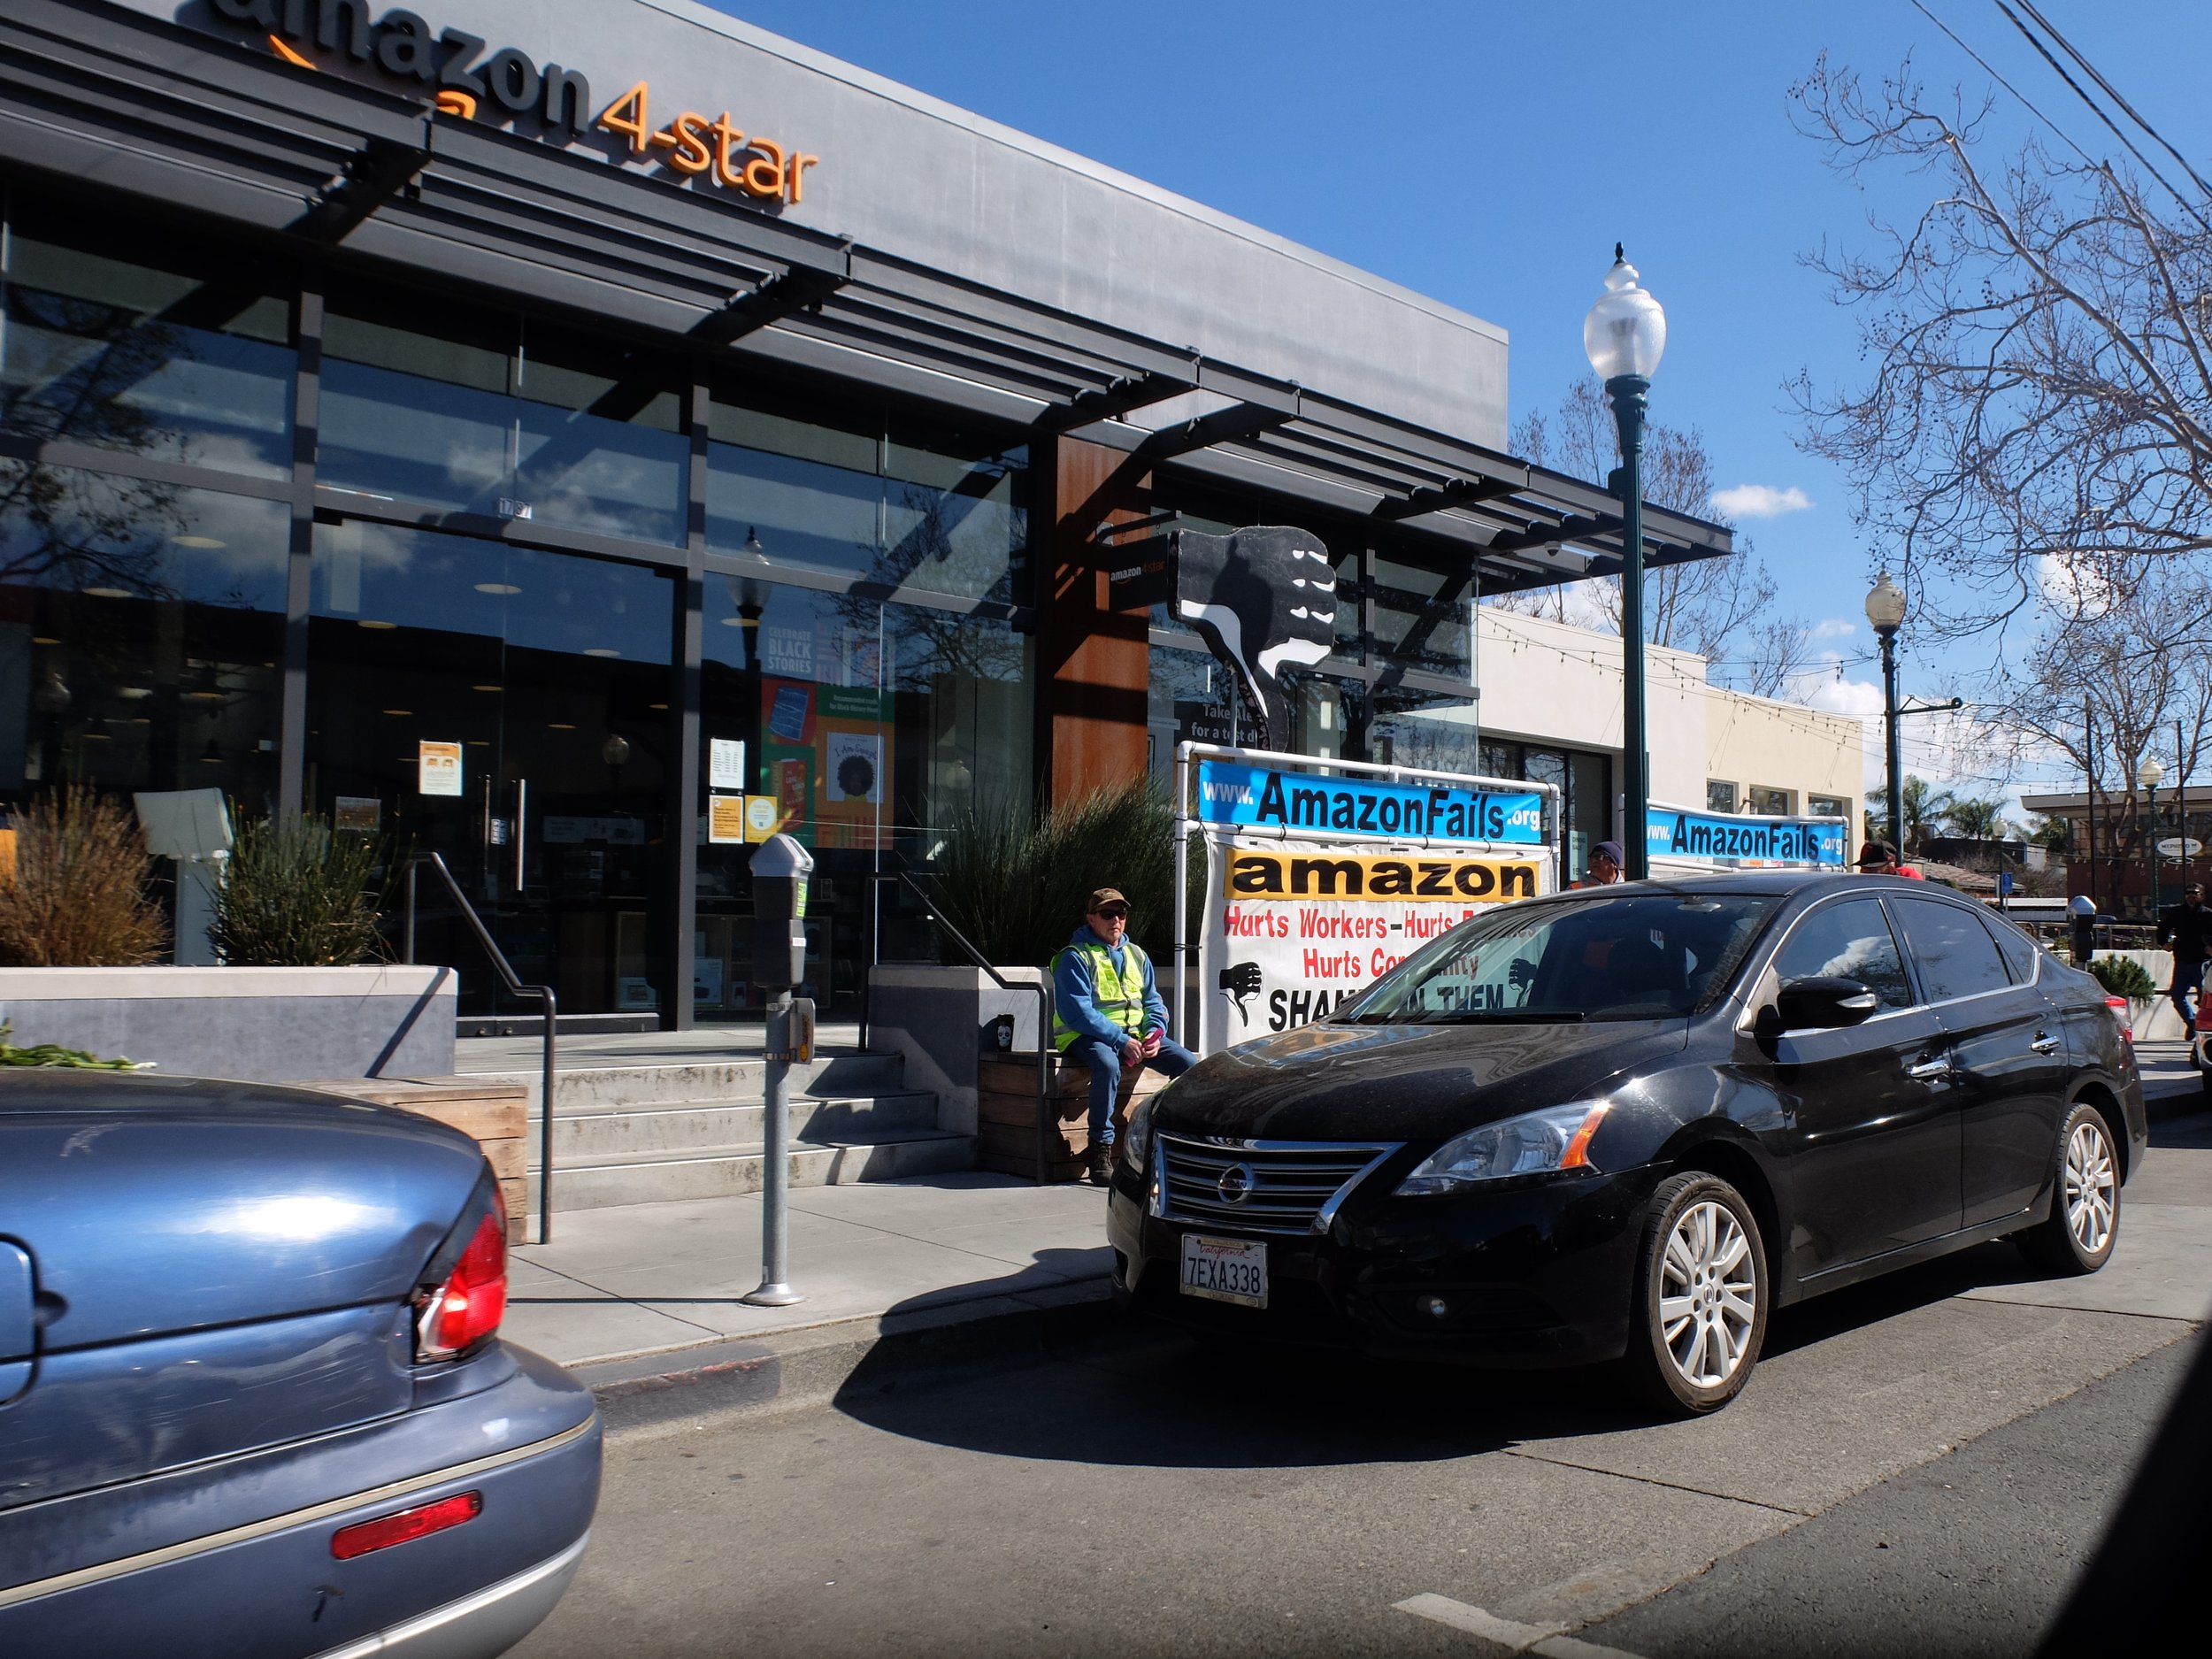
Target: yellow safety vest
[(1117, 995)]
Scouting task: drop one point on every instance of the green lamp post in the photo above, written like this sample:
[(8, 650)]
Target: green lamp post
[(2148, 774), (1624, 335)]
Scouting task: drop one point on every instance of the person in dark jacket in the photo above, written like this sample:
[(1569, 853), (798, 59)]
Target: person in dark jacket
[(2187, 926)]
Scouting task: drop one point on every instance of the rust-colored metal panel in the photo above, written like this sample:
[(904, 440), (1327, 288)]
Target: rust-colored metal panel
[(1094, 663)]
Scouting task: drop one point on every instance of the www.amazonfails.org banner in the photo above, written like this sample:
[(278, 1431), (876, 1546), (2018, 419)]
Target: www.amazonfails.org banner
[(1293, 928)]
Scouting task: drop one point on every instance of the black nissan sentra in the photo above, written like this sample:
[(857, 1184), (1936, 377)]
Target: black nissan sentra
[(1623, 1124)]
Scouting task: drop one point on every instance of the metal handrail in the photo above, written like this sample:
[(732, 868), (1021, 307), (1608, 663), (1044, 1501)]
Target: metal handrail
[(1043, 989), (513, 982)]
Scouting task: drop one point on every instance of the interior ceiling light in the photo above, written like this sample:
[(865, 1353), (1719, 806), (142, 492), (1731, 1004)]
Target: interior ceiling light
[(402, 713), (601, 650), (497, 587), (558, 725), (133, 693), (366, 623), (487, 687), (107, 593), (199, 541)]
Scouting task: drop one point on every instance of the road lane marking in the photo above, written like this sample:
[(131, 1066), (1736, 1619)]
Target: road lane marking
[(1549, 1641)]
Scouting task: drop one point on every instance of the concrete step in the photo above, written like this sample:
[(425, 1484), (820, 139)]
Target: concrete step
[(582, 1135), (731, 1170), (585, 1087)]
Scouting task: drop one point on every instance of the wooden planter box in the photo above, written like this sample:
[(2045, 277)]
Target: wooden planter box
[(1006, 1114), (497, 1114)]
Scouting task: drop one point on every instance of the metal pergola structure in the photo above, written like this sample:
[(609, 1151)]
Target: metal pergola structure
[(183, 120)]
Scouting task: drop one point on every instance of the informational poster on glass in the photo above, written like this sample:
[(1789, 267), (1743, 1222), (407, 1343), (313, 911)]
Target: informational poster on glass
[(361, 812), (1319, 884), (763, 814), (438, 767), (726, 820), (726, 763)]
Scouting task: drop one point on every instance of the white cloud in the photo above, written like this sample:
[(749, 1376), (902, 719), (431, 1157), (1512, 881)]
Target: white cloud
[(1835, 628), (1760, 501)]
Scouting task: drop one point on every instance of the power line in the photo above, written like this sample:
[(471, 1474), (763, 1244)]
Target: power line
[(1990, 70), (2097, 109), (2113, 93)]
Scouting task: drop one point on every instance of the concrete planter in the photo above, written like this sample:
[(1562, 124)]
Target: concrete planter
[(939, 1020), (256, 1024)]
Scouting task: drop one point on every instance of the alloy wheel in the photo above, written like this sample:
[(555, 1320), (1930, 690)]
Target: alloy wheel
[(2089, 1187), (1708, 1294)]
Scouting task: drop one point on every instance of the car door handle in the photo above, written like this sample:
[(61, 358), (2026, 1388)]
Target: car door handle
[(2045, 1043), (1929, 1068)]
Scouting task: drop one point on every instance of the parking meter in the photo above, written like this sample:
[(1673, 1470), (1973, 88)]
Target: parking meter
[(781, 869), (2082, 912)]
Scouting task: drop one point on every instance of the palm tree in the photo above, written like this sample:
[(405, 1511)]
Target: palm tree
[(1924, 810), (1977, 821)]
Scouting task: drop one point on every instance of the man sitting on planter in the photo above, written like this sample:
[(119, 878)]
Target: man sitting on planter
[(1107, 1014)]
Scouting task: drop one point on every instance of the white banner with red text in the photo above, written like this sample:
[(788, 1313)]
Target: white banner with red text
[(1293, 928)]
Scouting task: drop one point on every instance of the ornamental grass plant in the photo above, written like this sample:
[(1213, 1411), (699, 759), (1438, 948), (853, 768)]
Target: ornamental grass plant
[(297, 894), (1015, 879), (77, 897)]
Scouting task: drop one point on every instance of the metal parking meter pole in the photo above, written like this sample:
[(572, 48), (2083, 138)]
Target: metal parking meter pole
[(779, 869)]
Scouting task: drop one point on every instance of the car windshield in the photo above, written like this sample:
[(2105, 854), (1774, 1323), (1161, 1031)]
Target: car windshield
[(1646, 955)]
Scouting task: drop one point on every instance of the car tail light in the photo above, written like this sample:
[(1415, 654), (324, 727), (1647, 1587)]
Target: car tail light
[(419, 1522), (2118, 1005), (467, 1306)]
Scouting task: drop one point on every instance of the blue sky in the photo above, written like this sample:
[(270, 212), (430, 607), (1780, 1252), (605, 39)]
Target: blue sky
[(1491, 155)]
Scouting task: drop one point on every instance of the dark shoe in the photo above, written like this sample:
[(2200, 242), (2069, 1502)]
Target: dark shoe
[(1101, 1162)]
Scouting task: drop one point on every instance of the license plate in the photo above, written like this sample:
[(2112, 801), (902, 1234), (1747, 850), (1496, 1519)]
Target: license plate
[(1225, 1269)]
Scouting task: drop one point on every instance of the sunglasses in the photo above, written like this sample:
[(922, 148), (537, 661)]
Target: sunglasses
[(1113, 913)]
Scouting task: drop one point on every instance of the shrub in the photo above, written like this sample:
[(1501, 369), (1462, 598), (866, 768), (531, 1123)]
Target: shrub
[(78, 898), (2122, 976), (1015, 881), (296, 896)]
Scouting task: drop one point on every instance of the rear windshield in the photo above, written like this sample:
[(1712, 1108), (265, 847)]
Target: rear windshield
[(1644, 956)]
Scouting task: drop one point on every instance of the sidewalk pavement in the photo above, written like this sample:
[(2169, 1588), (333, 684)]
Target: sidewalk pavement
[(632, 1294)]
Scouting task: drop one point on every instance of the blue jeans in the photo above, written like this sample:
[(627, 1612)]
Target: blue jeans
[(2188, 982), (1104, 1061)]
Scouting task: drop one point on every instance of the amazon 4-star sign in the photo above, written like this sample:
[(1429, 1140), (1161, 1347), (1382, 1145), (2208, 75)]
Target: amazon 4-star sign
[(1319, 884), (461, 75)]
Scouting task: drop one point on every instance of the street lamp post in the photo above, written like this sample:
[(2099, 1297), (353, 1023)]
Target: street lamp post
[(1625, 335), (2148, 774), (1885, 610)]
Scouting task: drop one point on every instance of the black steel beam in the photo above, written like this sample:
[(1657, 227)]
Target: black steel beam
[(375, 175), (1107, 402), (779, 298), (1223, 426), (1458, 492)]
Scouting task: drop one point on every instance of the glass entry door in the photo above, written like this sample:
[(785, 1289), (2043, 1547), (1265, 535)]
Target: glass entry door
[(506, 708)]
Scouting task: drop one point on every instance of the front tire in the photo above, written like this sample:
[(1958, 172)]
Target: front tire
[(1698, 1318), (2085, 1220)]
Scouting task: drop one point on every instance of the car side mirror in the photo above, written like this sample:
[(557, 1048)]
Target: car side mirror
[(1822, 1003)]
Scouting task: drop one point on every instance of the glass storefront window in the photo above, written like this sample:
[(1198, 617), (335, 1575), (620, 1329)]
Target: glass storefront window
[(551, 672), (133, 343), (863, 730), (477, 411), (141, 626), (793, 486), (1416, 629)]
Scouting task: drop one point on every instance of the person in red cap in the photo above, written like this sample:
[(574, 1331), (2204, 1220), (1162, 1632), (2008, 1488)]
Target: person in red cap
[(1107, 1012), (1879, 858)]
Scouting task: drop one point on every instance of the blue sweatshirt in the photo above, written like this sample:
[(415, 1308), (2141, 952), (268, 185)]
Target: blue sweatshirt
[(1074, 993)]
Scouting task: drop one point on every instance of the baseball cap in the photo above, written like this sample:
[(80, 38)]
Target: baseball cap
[(1877, 853), (1101, 897)]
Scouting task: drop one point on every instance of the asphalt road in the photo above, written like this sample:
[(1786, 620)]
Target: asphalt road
[(1918, 1467)]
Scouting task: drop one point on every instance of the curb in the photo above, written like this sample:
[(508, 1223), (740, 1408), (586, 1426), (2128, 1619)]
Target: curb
[(872, 1354)]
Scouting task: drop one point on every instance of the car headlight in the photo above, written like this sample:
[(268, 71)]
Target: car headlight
[(1556, 1138), (1136, 1137)]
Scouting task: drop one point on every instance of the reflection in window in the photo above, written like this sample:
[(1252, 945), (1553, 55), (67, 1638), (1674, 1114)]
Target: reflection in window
[(476, 411), (1850, 941), (141, 626), (134, 345), (1421, 617), (833, 489), (1720, 795)]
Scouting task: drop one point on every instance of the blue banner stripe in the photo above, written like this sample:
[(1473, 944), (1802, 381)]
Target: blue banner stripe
[(1822, 843), (1263, 797)]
